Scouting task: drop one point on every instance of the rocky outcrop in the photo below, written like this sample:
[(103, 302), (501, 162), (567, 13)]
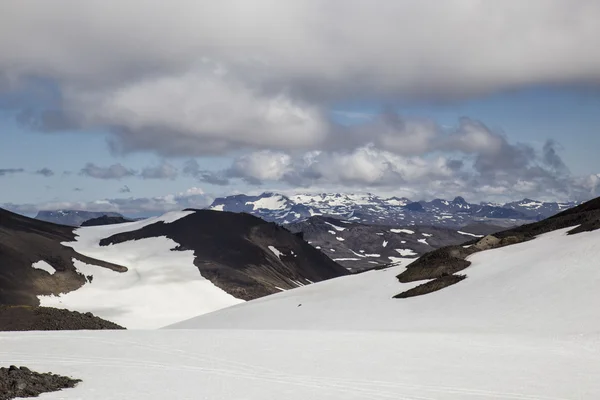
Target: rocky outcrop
[(27, 318), (21, 382)]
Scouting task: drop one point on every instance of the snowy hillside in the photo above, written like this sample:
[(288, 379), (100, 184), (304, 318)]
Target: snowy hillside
[(159, 287), (523, 326), (543, 286), (150, 273)]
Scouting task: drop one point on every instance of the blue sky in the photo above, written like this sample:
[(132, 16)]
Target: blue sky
[(140, 121)]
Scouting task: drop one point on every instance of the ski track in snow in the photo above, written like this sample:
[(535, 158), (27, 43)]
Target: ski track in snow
[(221, 365)]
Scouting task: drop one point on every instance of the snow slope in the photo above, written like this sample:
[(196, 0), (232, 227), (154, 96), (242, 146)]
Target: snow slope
[(316, 365), (160, 287), (548, 285), (522, 326)]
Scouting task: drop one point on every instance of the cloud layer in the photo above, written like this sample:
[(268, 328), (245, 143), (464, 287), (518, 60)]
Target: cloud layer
[(219, 76), (262, 78), (469, 159)]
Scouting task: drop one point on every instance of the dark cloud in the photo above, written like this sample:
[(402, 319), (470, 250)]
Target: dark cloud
[(78, 189), (10, 171), (469, 159), (115, 171), (163, 171), (552, 159), (192, 168), (45, 172), (236, 85), (125, 189)]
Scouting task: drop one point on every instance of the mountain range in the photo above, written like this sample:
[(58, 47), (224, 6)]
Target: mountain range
[(372, 209), (510, 315)]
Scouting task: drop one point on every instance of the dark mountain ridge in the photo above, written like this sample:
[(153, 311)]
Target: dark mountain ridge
[(25, 241), (242, 254)]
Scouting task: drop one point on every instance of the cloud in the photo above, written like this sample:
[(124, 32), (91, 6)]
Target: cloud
[(469, 159), (10, 171), (125, 189), (260, 166), (140, 206), (163, 171), (263, 76), (192, 168), (45, 172), (115, 171)]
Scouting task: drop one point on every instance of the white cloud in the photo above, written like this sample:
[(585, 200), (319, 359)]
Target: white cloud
[(162, 171), (196, 77)]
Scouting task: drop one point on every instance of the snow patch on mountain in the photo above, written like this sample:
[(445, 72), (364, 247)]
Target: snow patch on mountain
[(161, 286), (44, 266)]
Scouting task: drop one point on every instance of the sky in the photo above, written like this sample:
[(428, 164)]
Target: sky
[(144, 106)]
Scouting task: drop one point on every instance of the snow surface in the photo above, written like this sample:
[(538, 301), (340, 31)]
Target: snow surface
[(218, 207), (406, 252), (276, 252), (469, 234), (408, 231), (522, 326), (320, 365), (337, 228), (160, 287), (277, 202), (385, 243), (424, 241), (44, 266), (544, 286)]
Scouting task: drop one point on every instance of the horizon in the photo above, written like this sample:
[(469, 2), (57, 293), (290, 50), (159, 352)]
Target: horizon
[(32, 213), (154, 111)]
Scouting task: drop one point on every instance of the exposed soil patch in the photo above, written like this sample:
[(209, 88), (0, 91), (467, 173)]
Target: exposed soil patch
[(447, 261), (431, 286), (22, 382), (27, 318)]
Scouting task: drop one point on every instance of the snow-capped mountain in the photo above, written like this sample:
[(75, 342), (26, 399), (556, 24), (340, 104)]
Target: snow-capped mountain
[(538, 209), (72, 217), (372, 209), (150, 273)]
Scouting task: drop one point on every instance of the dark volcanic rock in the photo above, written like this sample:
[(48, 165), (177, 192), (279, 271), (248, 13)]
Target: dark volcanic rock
[(25, 241), (360, 247), (105, 220), (431, 286), (27, 318), (22, 382), (242, 254)]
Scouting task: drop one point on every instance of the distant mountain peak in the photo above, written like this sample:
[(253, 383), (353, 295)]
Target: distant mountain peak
[(372, 209), (459, 200)]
